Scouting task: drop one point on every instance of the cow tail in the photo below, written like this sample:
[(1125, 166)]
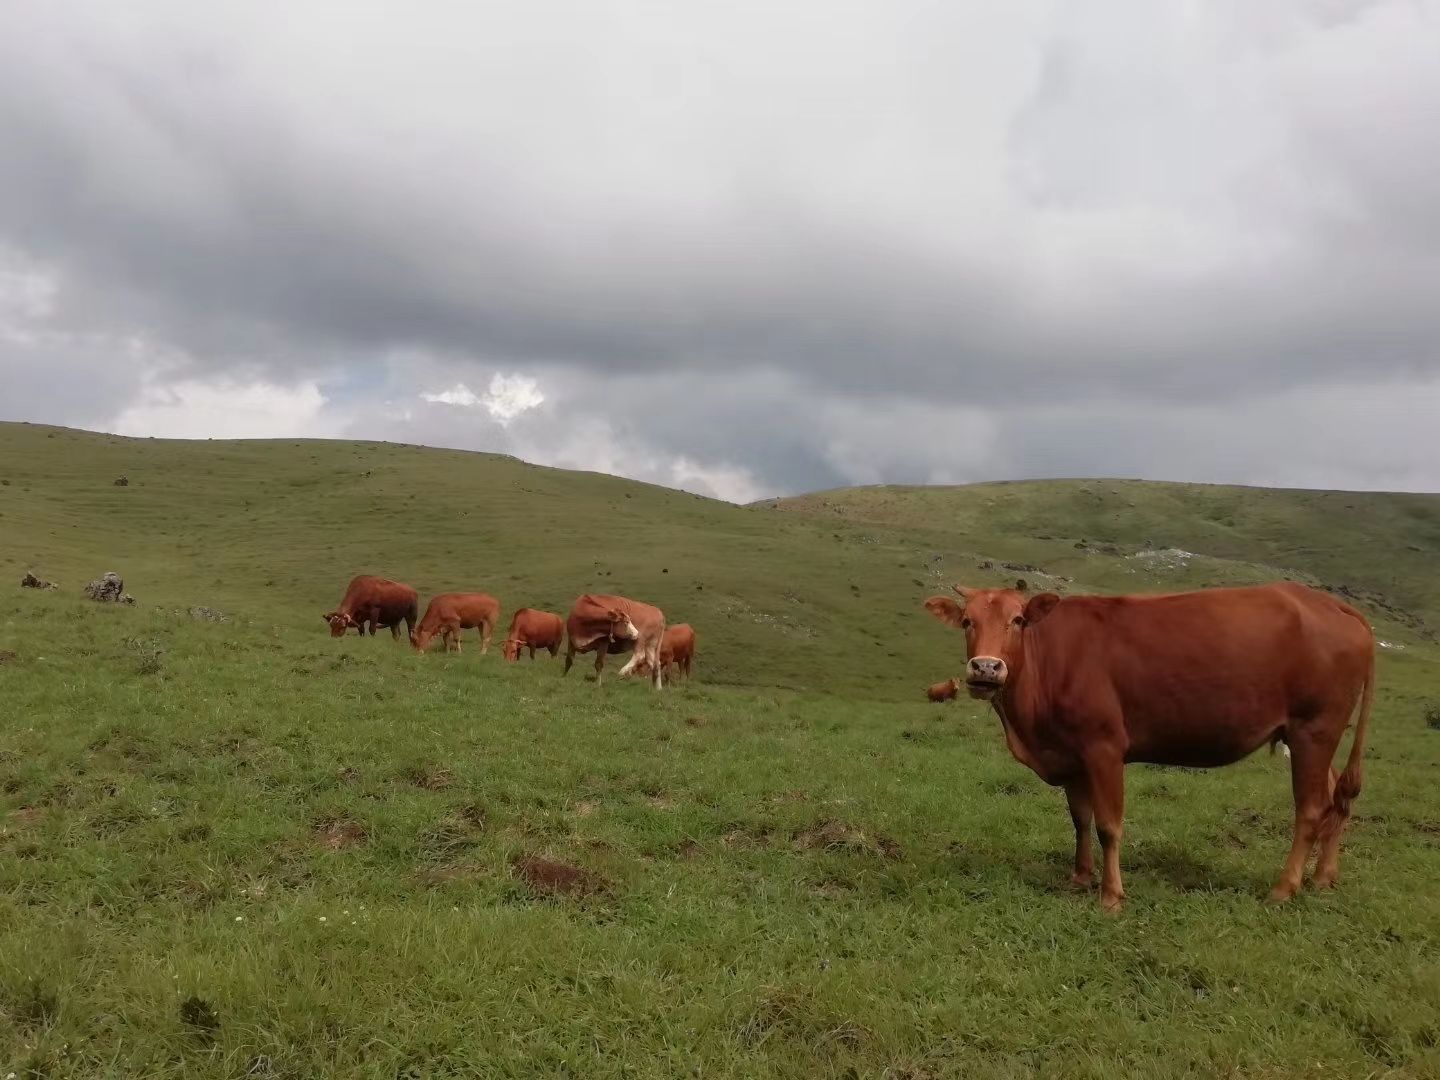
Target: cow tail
[(1347, 785)]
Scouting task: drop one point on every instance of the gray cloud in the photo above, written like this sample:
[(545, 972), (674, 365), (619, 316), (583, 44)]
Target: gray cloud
[(781, 248)]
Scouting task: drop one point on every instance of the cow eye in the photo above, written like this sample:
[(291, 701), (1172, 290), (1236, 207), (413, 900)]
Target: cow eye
[(1017, 621)]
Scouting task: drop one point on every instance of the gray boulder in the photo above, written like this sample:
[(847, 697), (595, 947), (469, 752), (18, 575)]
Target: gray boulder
[(109, 590)]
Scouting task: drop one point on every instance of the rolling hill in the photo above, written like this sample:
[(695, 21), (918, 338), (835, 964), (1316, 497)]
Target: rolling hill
[(245, 849), (817, 592)]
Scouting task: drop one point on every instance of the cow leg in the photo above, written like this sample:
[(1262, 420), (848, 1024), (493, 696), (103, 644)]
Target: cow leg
[(1310, 780), (1327, 864), (1106, 781), (487, 630), (395, 630), (600, 655), (1077, 794), (569, 656)]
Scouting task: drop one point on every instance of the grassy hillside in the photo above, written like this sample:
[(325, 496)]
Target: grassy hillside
[(821, 595), (244, 849), (1139, 535)]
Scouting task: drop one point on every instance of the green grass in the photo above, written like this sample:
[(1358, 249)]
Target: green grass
[(245, 849)]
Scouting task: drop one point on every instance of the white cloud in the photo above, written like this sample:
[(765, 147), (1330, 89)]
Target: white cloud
[(459, 394), (743, 248), (511, 395), (227, 408), (507, 398)]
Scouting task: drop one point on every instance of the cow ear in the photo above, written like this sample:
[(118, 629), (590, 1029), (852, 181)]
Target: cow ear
[(1040, 605), (328, 616), (948, 611)]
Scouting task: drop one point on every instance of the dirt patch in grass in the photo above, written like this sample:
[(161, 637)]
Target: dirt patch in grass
[(337, 834), (795, 1015), (550, 877), (696, 721), (688, 849), (26, 815), (585, 807), (838, 836), (8, 657), (832, 888), (429, 777), (452, 836), (200, 1016), (35, 1007), (443, 875), (748, 836)]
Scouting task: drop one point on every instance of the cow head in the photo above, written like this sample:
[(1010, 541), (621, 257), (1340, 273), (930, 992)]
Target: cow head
[(994, 622), (621, 628), (339, 622), (510, 649)]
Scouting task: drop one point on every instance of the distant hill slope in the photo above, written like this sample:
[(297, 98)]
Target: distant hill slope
[(822, 593), (1385, 547)]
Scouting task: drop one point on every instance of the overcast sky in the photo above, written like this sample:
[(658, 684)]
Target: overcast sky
[(743, 248)]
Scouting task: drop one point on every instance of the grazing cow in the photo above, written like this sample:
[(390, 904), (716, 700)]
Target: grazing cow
[(531, 629), (614, 624), (450, 613), (1085, 684), (378, 602), (677, 649), (944, 691)]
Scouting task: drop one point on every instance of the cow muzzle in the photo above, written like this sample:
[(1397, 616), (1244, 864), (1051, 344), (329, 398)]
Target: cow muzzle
[(985, 675)]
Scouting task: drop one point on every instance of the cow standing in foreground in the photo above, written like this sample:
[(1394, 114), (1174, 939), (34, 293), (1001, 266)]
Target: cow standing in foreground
[(615, 624), (450, 613), (677, 649), (1085, 684), (531, 629), (376, 601), (944, 691)]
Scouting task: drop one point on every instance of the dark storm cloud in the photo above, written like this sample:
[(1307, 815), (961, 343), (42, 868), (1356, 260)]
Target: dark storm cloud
[(807, 245)]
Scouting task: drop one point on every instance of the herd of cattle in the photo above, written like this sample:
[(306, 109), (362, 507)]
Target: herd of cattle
[(1082, 686), (604, 625)]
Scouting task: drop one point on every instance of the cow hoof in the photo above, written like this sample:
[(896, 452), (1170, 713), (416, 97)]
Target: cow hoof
[(1112, 905), (1080, 881), (1325, 881), (1280, 894)]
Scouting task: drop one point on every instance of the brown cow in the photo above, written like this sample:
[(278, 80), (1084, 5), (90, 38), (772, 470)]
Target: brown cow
[(449, 613), (375, 601), (532, 629), (944, 691), (614, 624), (677, 649), (1085, 684)]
